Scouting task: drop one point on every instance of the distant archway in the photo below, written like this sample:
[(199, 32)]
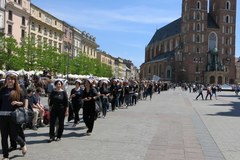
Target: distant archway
[(220, 80), (212, 80)]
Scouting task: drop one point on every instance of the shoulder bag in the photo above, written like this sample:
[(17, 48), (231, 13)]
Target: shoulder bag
[(20, 116)]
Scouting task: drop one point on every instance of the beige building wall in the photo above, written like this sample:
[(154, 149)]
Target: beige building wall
[(45, 28), (88, 44), (106, 59), (17, 19), (68, 39)]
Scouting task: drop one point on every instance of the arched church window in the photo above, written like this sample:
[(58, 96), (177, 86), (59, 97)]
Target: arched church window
[(198, 27), (198, 16), (198, 5), (198, 38), (227, 19), (197, 69), (228, 5), (212, 41)]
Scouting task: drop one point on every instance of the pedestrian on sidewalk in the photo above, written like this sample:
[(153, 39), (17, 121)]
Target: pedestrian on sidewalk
[(214, 91), (90, 95), (58, 101), (77, 101), (200, 92), (104, 93), (11, 97), (209, 92)]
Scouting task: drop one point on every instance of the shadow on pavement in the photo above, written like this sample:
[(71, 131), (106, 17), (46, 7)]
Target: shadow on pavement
[(234, 112), (35, 134), (73, 134), (233, 95)]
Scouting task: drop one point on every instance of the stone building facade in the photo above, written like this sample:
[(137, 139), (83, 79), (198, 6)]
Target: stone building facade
[(45, 28), (16, 20), (199, 47)]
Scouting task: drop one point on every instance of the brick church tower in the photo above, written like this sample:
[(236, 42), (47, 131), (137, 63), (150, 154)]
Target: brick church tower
[(199, 47), (208, 41)]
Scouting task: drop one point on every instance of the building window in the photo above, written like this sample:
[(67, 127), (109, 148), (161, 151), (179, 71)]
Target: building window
[(23, 21), (228, 5), (33, 26), (10, 29), (65, 33), (50, 33), (10, 15), (212, 39), (23, 33), (198, 50), (198, 16), (39, 14), (227, 19), (39, 28), (20, 2), (199, 5), (197, 69), (198, 27), (45, 31), (198, 38)]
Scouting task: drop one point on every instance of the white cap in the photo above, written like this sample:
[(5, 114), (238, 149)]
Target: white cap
[(12, 73), (78, 80), (90, 80)]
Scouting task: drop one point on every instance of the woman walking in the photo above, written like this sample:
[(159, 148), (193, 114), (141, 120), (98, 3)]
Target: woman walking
[(11, 97), (58, 101), (77, 101), (104, 92), (89, 97)]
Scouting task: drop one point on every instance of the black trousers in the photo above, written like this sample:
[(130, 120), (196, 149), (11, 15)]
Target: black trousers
[(20, 133), (9, 128), (55, 114), (88, 117), (76, 109)]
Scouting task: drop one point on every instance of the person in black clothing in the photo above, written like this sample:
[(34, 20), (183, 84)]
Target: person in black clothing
[(77, 101), (104, 93), (58, 101), (90, 95), (11, 97)]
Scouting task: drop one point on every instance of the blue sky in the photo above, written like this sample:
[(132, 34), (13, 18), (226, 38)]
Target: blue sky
[(122, 28)]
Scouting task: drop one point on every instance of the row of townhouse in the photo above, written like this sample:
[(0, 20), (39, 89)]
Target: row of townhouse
[(21, 19)]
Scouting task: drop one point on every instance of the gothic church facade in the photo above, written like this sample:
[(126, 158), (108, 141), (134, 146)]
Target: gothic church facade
[(199, 47)]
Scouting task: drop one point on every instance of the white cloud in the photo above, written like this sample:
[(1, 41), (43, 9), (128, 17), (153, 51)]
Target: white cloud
[(122, 20)]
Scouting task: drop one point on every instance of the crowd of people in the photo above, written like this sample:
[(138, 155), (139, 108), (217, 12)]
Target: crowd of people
[(95, 98), (108, 95)]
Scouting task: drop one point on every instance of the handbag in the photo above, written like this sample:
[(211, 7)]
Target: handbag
[(97, 110), (20, 116)]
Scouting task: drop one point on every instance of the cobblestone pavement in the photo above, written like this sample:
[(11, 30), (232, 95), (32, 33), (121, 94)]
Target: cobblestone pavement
[(171, 126)]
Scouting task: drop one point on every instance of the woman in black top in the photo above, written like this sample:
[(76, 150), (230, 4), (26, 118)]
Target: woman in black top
[(89, 97), (77, 101), (104, 92), (58, 101), (11, 97)]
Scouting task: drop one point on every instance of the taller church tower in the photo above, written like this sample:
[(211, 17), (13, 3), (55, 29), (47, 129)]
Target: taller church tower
[(208, 40), (193, 38)]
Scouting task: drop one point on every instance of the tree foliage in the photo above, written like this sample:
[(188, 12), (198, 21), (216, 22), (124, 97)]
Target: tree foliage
[(29, 56)]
